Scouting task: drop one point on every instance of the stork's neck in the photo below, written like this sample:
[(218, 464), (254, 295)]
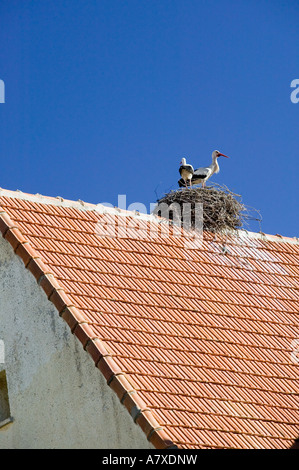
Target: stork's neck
[(214, 166)]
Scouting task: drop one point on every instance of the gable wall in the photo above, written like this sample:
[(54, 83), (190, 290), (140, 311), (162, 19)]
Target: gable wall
[(57, 398)]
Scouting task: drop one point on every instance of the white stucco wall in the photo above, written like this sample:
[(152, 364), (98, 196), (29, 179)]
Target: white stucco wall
[(58, 398)]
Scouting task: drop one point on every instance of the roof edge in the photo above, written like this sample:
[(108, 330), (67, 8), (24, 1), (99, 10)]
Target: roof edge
[(102, 209), (97, 349), (267, 237), (295, 444)]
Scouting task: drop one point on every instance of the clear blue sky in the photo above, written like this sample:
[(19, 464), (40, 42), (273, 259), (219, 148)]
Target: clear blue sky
[(104, 97)]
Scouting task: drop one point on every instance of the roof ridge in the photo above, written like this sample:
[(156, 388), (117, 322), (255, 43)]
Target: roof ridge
[(101, 208), (97, 349), (79, 204)]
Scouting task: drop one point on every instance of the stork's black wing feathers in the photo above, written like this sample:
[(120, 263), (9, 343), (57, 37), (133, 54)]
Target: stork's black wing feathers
[(198, 177), (187, 168), (201, 173)]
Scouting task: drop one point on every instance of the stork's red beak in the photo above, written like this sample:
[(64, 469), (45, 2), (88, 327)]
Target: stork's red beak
[(222, 155)]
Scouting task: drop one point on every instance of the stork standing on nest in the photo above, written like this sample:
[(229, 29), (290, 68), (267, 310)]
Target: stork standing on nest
[(201, 175), (186, 172)]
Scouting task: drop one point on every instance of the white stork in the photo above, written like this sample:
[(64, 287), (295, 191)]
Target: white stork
[(201, 175), (186, 172)]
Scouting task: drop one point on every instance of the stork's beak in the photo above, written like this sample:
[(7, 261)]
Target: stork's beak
[(222, 155)]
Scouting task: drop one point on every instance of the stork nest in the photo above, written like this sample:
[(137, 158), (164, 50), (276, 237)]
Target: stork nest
[(223, 210)]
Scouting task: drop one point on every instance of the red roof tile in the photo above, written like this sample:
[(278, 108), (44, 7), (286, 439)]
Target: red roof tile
[(196, 342)]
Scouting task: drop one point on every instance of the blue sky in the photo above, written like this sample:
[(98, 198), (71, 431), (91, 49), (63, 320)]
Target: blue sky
[(104, 98)]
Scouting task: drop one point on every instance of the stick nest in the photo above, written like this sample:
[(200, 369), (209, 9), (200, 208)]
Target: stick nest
[(223, 210)]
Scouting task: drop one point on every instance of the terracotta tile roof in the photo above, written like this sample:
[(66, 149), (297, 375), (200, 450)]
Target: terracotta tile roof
[(198, 343)]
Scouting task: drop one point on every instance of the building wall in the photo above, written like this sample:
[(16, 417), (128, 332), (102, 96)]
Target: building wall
[(57, 397)]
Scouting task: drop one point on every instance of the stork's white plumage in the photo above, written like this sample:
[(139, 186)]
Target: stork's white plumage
[(201, 175), (186, 171)]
